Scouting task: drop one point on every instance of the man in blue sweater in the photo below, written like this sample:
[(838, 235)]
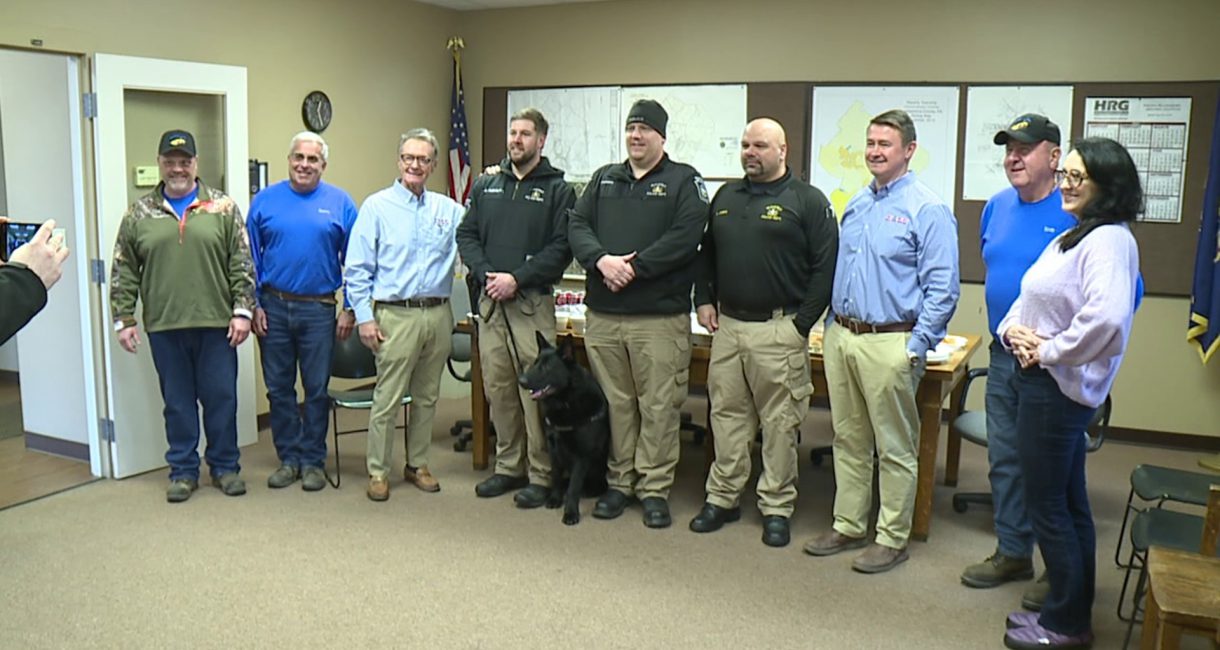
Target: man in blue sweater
[(1017, 224), (298, 236)]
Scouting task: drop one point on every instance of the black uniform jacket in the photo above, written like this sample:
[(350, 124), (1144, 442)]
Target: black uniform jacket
[(769, 246), (660, 216), (518, 226)]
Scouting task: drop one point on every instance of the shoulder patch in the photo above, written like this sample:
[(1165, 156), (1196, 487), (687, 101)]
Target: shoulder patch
[(701, 188)]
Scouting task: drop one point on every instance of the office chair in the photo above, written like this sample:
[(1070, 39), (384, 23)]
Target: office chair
[(351, 360), (972, 426)]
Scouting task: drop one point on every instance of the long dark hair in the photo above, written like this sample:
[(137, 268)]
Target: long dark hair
[(1119, 197)]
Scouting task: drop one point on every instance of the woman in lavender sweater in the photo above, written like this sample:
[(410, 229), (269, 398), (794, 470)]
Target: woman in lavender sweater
[(1068, 330)]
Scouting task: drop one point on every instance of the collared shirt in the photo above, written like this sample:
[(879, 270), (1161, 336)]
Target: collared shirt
[(402, 246), (298, 240), (898, 260)]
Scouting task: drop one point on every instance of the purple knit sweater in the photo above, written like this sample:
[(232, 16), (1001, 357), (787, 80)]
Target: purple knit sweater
[(1082, 301)]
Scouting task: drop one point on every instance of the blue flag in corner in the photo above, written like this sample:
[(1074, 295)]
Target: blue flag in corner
[(1204, 328)]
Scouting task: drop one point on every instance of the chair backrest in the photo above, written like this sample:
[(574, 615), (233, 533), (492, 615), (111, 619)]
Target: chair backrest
[(351, 360), (1211, 522), (460, 299)]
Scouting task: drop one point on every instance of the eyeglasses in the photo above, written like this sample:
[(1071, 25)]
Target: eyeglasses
[(1074, 178), (408, 159)]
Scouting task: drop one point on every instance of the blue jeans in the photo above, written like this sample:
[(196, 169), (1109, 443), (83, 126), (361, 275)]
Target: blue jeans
[(197, 367), (1051, 443), (1012, 529), (299, 333)]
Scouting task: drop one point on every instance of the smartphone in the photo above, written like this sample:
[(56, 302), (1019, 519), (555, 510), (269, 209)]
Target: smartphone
[(16, 234)]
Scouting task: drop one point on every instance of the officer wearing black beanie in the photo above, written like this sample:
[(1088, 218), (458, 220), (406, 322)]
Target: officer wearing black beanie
[(636, 230)]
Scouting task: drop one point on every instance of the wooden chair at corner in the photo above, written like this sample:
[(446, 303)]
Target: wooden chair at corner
[(1184, 588)]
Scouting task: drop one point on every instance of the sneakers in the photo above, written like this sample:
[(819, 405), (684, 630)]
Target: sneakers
[(833, 542), (283, 477), (379, 488), (421, 478), (230, 483), (1036, 594), (1021, 619), (179, 490), (878, 558), (313, 479), (1036, 637), (996, 570), (532, 496), (498, 484)]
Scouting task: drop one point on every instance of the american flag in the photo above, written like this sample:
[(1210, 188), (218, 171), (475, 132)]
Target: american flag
[(459, 140)]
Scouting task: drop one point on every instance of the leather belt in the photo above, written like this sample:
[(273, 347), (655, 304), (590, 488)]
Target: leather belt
[(757, 316), (327, 298), (418, 303), (860, 327)]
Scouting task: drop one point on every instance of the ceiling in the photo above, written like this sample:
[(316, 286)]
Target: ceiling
[(475, 5)]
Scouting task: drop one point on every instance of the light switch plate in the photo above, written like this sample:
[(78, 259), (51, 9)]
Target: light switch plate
[(147, 176)]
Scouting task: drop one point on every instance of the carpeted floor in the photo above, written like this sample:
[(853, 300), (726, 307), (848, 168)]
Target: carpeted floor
[(111, 565)]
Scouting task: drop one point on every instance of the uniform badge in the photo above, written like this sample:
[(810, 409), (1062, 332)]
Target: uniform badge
[(701, 189), (772, 212), (537, 195), (658, 189)]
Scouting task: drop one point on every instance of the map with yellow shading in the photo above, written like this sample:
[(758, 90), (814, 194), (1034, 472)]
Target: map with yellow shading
[(840, 125)]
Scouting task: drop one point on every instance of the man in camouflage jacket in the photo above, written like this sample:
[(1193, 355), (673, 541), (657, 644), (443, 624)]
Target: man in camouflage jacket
[(182, 250)]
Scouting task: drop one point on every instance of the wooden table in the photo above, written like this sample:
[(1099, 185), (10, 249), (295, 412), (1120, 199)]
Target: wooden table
[(1182, 595), (938, 382)]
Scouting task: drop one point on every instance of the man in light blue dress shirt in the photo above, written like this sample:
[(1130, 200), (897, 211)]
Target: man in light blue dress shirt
[(895, 289), (399, 274)]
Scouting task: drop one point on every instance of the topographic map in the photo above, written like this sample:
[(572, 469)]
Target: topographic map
[(840, 124)]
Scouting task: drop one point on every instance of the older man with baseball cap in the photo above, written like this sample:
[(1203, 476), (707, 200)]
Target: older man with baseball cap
[(636, 229), (182, 250), (1016, 225)]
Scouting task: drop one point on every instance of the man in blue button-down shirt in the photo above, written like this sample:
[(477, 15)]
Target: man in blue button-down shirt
[(399, 274), (895, 289)]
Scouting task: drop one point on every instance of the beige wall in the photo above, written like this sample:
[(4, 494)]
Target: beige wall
[(384, 65), (382, 62)]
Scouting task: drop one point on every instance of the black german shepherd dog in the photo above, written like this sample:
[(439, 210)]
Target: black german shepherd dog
[(575, 417)]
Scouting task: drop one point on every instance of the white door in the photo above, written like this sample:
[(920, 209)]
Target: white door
[(40, 120), (122, 83)]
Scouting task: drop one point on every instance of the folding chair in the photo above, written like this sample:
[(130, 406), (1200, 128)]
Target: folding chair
[(351, 360)]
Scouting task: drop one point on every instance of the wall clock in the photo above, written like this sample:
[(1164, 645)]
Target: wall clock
[(316, 111)]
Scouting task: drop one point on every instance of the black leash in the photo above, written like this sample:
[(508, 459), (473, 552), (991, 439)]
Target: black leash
[(512, 338)]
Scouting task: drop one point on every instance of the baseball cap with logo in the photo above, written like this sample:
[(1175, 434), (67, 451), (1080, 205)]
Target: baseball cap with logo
[(1029, 128), (177, 140)]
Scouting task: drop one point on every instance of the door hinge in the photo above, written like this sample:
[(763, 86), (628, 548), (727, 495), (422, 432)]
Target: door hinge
[(97, 271), (89, 102), (106, 427)]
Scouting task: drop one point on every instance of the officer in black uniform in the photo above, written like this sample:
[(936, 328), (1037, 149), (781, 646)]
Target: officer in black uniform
[(766, 270), (636, 230), (514, 238)]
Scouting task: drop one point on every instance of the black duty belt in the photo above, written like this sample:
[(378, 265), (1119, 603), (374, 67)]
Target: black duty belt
[(860, 327), (327, 298), (415, 302), (757, 316)]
